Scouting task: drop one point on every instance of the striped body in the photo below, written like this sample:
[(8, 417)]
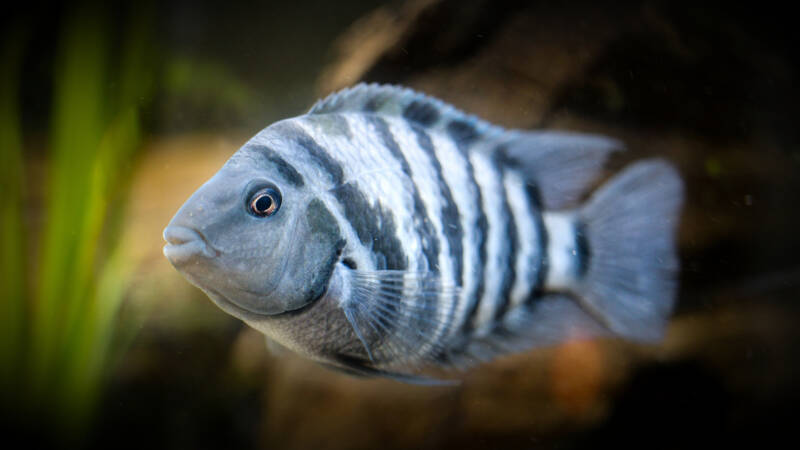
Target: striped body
[(412, 234), (472, 221)]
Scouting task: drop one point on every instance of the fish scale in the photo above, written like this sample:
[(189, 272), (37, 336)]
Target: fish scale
[(408, 234), (426, 182), (489, 180), (529, 239), (466, 196), (417, 170), (364, 176)]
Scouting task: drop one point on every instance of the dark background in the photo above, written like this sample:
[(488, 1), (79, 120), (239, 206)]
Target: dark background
[(712, 88)]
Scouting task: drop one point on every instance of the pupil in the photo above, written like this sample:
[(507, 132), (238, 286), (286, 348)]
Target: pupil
[(263, 203)]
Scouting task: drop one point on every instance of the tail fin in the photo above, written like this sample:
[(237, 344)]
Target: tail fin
[(630, 225)]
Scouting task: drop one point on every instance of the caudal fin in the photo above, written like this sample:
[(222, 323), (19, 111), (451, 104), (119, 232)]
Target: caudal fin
[(630, 225)]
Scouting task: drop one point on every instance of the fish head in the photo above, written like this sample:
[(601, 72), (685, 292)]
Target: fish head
[(255, 237)]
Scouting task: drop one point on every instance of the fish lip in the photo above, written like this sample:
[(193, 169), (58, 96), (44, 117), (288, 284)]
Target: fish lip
[(184, 243), (179, 234)]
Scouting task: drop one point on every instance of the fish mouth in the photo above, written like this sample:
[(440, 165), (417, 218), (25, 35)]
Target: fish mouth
[(185, 244)]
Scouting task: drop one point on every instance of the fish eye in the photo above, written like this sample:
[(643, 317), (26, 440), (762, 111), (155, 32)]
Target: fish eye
[(264, 202)]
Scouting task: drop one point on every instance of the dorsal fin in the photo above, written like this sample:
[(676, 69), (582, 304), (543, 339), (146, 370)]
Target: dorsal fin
[(400, 101), (562, 166)]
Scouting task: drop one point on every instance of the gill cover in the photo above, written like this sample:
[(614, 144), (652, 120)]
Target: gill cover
[(250, 264)]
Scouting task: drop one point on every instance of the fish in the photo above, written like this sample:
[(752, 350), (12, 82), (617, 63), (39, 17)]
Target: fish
[(386, 233)]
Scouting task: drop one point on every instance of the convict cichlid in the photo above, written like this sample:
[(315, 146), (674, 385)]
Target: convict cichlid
[(385, 231)]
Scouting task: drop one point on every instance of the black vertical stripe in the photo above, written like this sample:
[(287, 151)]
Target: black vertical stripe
[(451, 220), (422, 223), (534, 199), (464, 136), (463, 133), (372, 104), (511, 244), (582, 252), (320, 156), (482, 226), (325, 233), (286, 170), (422, 113), (375, 227)]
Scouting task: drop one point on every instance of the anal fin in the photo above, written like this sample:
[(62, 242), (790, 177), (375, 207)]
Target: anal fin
[(544, 322)]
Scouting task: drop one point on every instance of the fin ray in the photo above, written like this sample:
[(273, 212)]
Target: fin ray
[(396, 307), (400, 101), (560, 165), (547, 321), (630, 225)]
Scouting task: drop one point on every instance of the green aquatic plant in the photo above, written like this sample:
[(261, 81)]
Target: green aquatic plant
[(12, 253), (64, 271), (59, 309)]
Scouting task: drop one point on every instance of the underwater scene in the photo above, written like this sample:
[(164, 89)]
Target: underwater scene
[(486, 224)]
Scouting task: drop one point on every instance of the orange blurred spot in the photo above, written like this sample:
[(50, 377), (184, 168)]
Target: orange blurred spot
[(577, 370)]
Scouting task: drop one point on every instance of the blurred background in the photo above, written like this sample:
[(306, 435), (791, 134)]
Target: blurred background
[(112, 114)]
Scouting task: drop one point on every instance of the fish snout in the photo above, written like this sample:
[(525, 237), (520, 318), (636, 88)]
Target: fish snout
[(185, 244)]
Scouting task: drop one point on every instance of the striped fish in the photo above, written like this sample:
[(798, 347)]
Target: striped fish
[(385, 232)]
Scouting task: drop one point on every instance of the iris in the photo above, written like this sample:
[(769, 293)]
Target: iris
[(265, 202)]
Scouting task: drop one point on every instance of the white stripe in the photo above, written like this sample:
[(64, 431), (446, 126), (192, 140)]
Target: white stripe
[(427, 185), (488, 179), (455, 170), (561, 249), (378, 174), (372, 168)]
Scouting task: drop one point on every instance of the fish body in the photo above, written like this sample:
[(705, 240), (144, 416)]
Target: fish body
[(385, 231)]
